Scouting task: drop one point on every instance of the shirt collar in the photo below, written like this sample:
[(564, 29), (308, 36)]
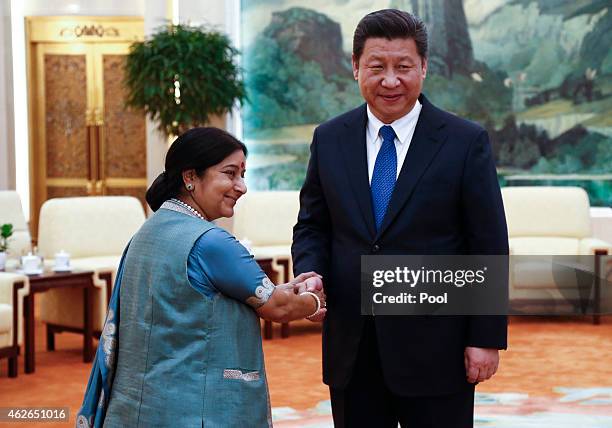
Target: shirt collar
[(401, 126)]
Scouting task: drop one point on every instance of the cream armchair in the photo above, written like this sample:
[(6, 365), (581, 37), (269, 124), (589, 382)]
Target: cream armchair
[(94, 231), (546, 221), (265, 220), (13, 289)]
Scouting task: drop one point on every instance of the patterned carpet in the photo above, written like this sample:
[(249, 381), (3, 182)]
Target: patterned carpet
[(557, 373), (572, 408)]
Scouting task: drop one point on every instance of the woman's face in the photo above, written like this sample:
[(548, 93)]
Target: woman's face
[(215, 193)]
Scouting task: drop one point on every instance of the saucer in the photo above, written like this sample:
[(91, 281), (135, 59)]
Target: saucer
[(62, 269)]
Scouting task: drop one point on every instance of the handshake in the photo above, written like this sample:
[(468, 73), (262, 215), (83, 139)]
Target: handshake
[(311, 282)]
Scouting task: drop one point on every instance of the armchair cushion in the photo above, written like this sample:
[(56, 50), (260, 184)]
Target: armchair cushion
[(538, 245), (98, 264), (6, 325), (542, 274), (272, 251), (547, 211), (88, 226), (267, 218), (6, 318)]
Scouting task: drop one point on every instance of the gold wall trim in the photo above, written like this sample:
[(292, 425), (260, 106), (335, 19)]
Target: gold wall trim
[(125, 182), (92, 29)]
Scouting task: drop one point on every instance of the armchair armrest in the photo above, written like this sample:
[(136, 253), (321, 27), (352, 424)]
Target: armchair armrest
[(7, 280), (7, 284), (590, 245)]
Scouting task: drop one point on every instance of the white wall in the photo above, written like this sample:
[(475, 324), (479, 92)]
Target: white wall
[(7, 136), (84, 7), (157, 14)]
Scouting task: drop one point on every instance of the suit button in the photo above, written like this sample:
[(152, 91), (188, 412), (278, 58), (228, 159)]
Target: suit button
[(375, 249)]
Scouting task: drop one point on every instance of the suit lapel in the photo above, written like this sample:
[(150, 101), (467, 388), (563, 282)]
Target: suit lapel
[(428, 138), (353, 147)]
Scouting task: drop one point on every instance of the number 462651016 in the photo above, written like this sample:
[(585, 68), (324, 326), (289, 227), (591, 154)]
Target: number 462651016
[(25, 414)]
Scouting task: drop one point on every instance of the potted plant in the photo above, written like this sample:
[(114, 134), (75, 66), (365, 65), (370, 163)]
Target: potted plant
[(6, 231), (182, 76)]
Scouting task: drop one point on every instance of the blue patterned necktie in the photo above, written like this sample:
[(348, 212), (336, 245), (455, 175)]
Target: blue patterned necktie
[(383, 177)]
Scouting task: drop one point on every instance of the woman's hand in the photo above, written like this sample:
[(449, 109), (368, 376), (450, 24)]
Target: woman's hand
[(288, 301)]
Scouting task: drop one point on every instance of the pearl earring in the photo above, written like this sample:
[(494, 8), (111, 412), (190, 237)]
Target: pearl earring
[(189, 187)]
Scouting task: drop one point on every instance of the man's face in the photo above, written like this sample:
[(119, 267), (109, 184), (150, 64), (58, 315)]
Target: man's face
[(390, 74)]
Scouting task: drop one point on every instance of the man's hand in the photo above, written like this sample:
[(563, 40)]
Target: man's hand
[(307, 281), (313, 282), (480, 363)]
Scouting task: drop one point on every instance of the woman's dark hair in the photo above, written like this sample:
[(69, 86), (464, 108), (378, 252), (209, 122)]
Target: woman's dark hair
[(390, 24), (199, 149)]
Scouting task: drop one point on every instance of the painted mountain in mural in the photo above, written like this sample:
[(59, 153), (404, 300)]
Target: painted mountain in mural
[(297, 72), (450, 47), (311, 36)]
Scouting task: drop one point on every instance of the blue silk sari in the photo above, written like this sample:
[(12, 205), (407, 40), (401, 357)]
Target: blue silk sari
[(98, 390)]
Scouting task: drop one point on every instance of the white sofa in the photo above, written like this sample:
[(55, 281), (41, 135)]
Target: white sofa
[(547, 221), (94, 231)]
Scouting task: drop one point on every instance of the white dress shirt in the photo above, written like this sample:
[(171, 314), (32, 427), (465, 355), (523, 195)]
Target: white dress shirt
[(404, 130)]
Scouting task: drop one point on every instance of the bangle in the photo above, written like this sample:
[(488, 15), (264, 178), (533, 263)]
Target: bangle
[(316, 299)]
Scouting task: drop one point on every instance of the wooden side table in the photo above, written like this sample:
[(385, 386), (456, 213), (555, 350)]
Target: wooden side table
[(53, 280)]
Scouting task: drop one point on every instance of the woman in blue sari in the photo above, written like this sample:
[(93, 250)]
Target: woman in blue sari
[(181, 345)]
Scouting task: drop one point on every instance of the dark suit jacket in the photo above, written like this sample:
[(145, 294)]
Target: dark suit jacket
[(446, 201)]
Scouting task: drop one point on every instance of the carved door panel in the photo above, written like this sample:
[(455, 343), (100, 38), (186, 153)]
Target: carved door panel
[(65, 102), (122, 133)]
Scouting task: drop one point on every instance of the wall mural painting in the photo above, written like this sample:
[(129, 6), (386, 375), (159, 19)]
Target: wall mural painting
[(536, 73)]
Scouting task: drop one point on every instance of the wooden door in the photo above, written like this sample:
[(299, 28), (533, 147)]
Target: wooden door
[(65, 154), (121, 130), (84, 141)]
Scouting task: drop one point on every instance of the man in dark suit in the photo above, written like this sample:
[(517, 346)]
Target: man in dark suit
[(398, 176)]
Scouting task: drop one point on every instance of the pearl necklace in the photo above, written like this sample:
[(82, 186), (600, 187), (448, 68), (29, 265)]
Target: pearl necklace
[(188, 207)]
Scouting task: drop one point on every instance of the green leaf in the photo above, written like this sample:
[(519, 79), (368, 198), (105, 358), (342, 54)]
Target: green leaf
[(6, 230)]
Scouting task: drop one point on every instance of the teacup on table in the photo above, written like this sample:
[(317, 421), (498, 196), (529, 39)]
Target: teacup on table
[(31, 264), (62, 262)]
